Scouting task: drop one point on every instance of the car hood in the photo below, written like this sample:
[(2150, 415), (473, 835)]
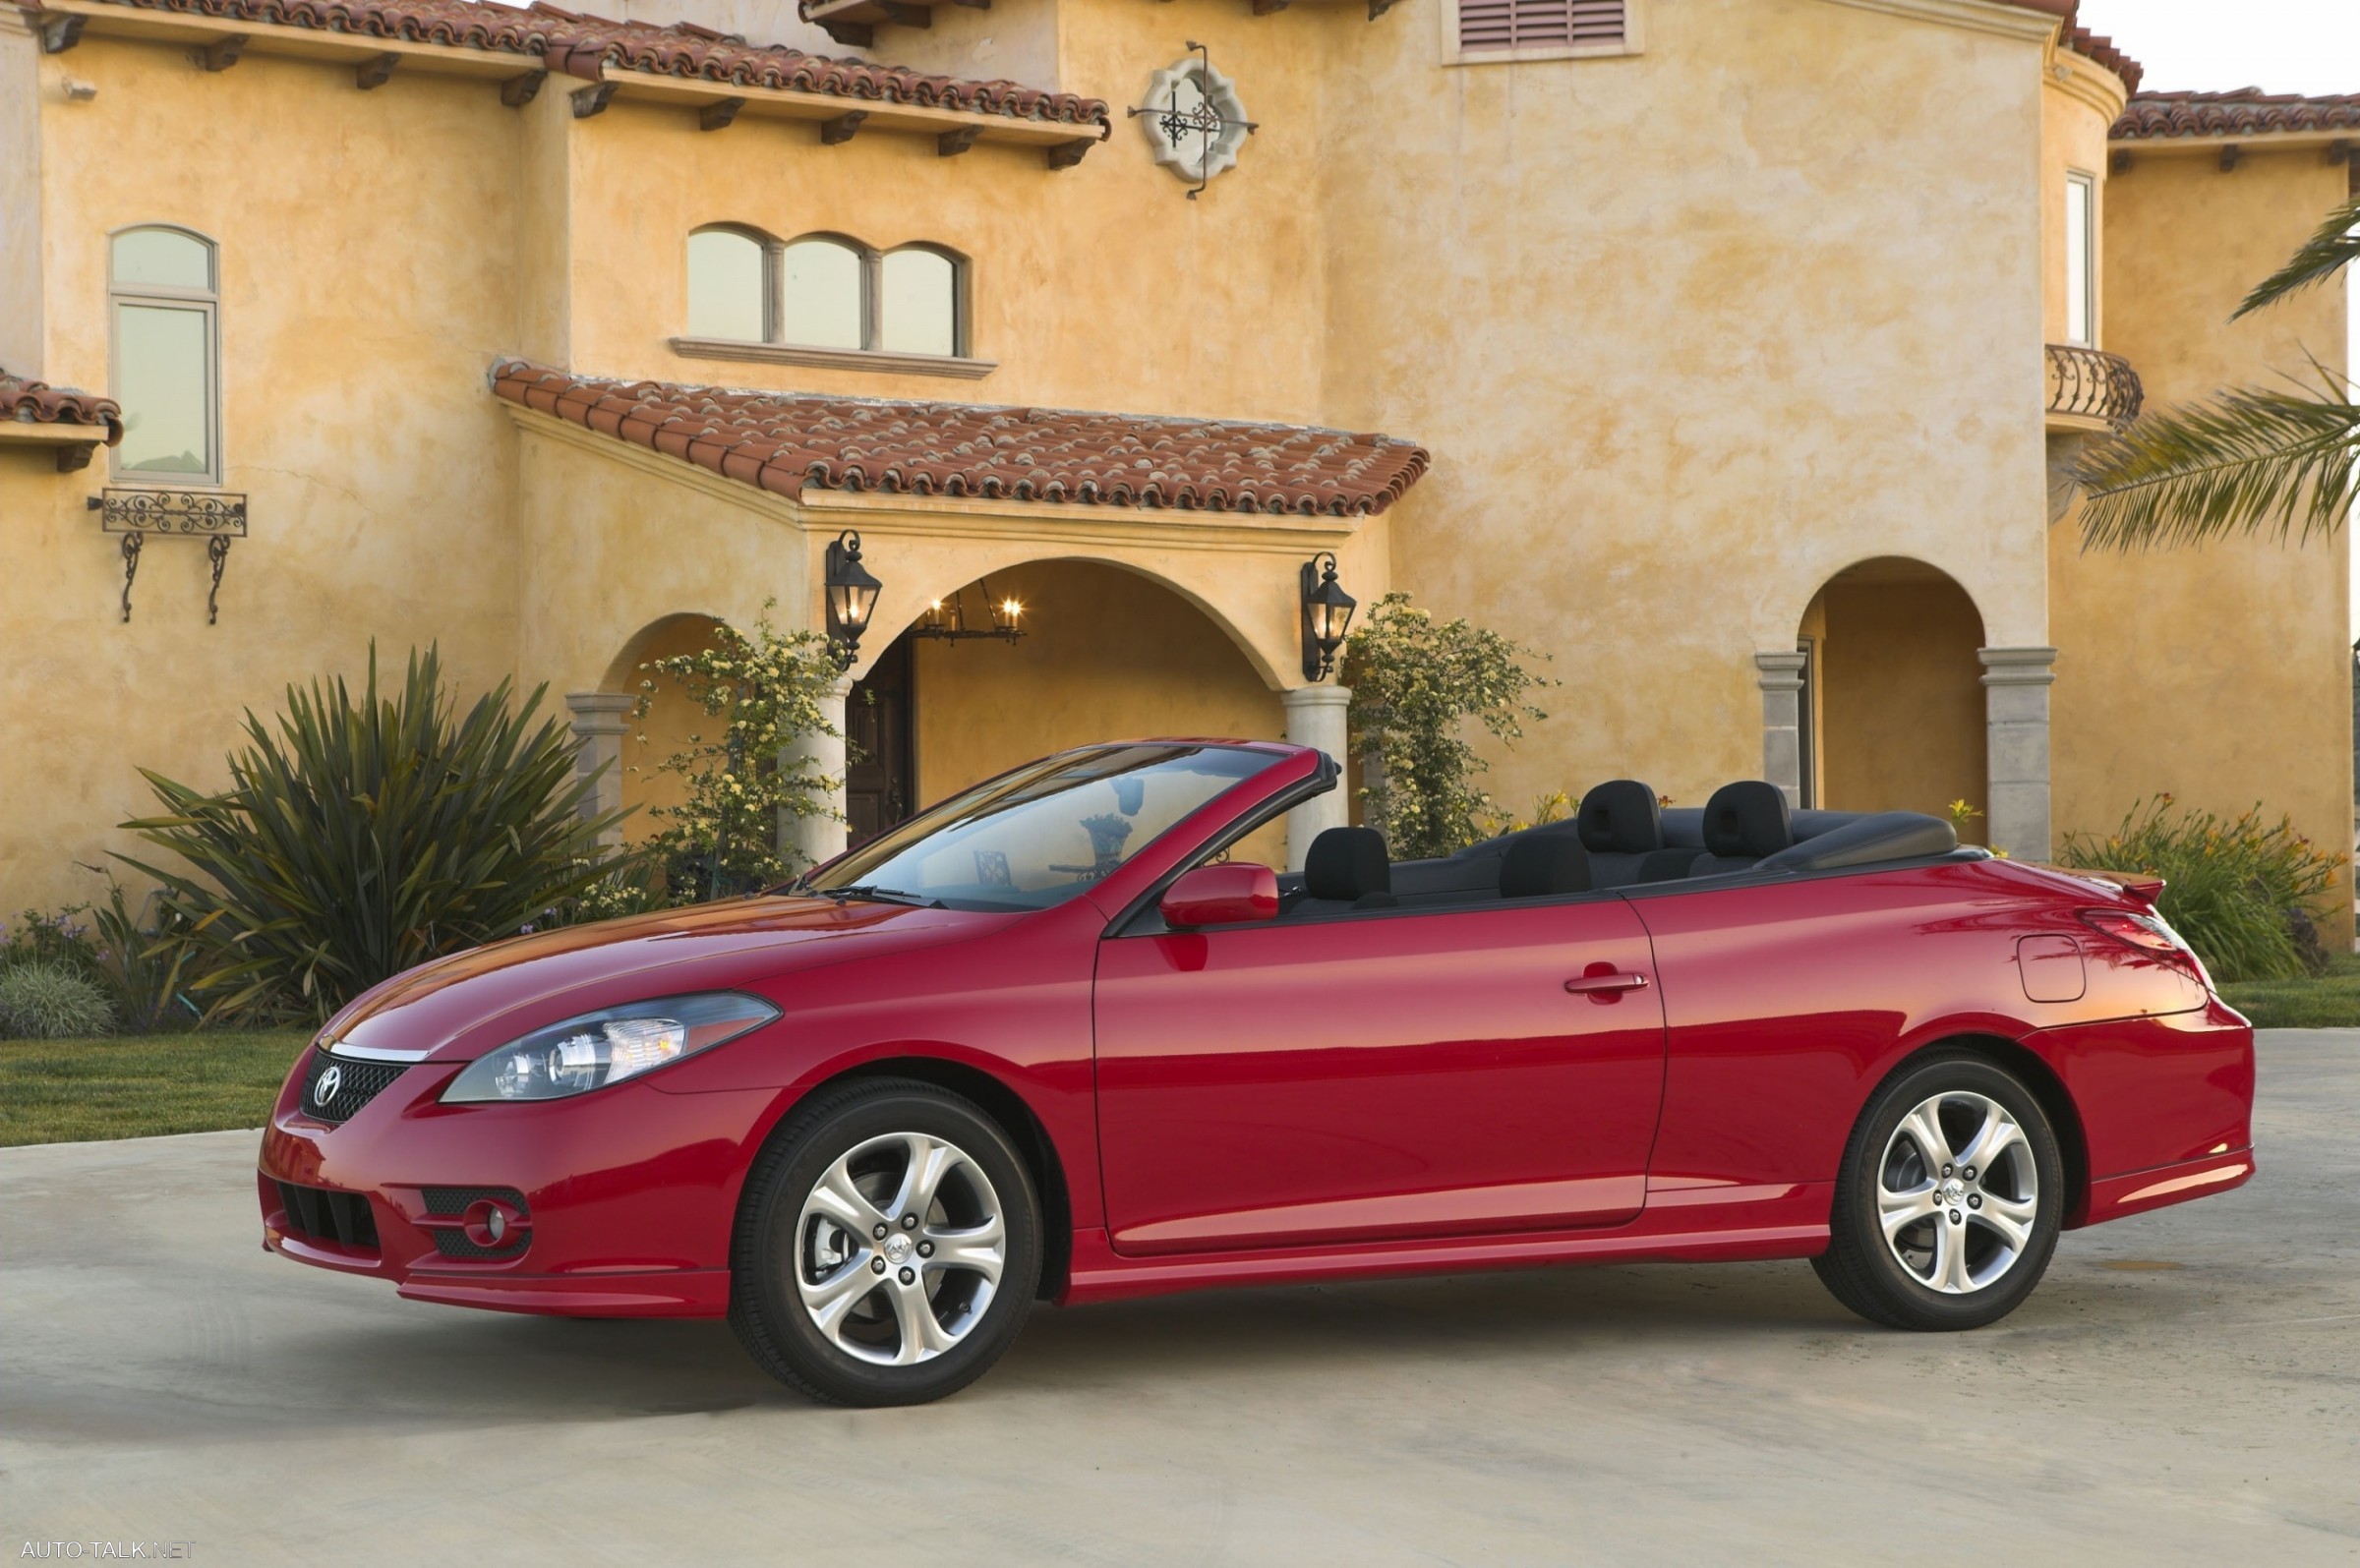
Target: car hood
[(459, 1007)]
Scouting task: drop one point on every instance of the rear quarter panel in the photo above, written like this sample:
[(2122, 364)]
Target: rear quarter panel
[(1788, 1003)]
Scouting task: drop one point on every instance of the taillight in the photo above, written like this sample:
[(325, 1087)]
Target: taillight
[(2149, 934)]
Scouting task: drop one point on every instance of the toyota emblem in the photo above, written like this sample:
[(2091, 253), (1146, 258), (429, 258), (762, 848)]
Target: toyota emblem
[(330, 1080)]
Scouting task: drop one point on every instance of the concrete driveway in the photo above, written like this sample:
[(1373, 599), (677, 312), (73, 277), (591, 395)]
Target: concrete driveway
[(2185, 1387)]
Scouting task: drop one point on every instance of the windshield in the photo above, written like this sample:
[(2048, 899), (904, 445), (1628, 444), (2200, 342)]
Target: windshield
[(1036, 837)]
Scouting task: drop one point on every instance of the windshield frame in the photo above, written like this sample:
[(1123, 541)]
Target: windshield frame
[(856, 866)]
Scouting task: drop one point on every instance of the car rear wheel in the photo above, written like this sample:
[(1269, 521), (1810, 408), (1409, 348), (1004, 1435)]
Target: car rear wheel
[(1949, 1200), (888, 1247)]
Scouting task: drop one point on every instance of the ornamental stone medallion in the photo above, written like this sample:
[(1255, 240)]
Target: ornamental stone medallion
[(1194, 120)]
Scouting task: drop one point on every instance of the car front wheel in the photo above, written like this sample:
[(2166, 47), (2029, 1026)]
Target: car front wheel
[(888, 1247), (1949, 1200)]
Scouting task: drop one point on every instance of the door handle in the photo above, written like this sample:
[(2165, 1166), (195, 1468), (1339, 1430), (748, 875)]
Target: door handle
[(1614, 982)]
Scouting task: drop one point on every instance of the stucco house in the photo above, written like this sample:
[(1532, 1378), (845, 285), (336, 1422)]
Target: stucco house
[(1728, 351)]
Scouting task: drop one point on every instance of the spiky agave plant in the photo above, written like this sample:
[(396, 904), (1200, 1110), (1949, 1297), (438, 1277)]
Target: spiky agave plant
[(2278, 461), (358, 839)]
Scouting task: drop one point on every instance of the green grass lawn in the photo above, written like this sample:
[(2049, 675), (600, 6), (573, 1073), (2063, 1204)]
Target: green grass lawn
[(2324, 1002), (62, 1091)]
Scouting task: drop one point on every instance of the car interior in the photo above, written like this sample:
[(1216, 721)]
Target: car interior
[(1620, 837)]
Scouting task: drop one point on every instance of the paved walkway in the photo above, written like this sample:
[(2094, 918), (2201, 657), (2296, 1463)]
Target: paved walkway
[(2185, 1388)]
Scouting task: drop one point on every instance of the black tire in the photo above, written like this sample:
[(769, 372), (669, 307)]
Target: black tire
[(774, 1242), (1872, 1277)]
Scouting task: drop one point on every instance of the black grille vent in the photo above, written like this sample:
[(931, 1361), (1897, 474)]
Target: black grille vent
[(453, 1200), (356, 1084), (325, 1216)]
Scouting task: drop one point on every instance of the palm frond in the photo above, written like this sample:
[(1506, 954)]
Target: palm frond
[(2334, 248), (2247, 460)]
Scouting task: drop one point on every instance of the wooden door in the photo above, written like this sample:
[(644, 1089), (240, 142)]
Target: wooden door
[(880, 724)]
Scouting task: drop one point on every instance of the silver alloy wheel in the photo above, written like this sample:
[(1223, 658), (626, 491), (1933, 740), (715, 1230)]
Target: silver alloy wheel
[(899, 1248), (1957, 1191)]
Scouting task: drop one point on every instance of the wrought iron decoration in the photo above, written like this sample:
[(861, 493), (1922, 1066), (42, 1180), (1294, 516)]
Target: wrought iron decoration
[(213, 516), (1174, 126)]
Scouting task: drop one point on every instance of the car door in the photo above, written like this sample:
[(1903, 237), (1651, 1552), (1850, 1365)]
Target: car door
[(1378, 1075)]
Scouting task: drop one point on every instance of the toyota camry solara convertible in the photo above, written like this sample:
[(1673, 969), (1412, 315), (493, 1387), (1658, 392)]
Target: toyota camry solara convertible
[(1051, 1040)]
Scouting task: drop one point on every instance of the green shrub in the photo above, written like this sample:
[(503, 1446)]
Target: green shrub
[(1415, 682), (2239, 889), (45, 1001), (62, 939), (147, 966), (362, 837)]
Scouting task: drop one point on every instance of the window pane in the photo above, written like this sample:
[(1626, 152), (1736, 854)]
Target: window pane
[(921, 307), (163, 256), (822, 295), (162, 379), (2077, 257), (725, 286)]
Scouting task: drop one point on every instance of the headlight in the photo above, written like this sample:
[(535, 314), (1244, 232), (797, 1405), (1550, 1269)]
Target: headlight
[(608, 1046)]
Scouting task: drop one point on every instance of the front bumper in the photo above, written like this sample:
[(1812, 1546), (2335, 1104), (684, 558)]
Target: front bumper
[(630, 1193)]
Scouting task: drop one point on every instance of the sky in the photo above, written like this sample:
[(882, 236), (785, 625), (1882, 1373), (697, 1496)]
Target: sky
[(2308, 47)]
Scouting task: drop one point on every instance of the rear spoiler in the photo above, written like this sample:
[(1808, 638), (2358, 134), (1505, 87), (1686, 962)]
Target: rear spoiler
[(2145, 886)]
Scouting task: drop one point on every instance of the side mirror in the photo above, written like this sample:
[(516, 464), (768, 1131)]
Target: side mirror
[(1230, 895)]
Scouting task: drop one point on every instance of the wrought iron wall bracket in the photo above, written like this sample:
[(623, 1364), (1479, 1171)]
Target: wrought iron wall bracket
[(136, 515)]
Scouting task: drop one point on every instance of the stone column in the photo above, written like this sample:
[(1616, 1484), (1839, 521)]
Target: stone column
[(822, 837), (2016, 682), (1782, 761), (1315, 717), (600, 719)]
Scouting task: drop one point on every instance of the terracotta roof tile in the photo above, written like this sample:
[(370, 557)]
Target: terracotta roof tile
[(39, 403), (2241, 111), (788, 441), (579, 45), (2104, 50)]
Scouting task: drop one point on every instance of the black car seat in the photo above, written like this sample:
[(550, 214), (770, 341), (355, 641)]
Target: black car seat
[(1620, 825), (1542, 864), (1743, 823), (1346, 868)]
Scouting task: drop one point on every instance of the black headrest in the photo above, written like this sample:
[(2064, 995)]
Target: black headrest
[(1345, 863), (1747, 818), (1622, 817), (1539, 864)]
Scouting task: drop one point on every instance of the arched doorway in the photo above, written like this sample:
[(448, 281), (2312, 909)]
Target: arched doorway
[(671, 725), (1893, 697), (1106, 653)]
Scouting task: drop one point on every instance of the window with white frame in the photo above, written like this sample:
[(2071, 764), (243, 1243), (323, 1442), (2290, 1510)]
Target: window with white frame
[(2081, 258), (1552, 26), (164, 294), (825, 291)]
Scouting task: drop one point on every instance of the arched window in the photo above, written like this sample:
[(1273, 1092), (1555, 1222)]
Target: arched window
[(917, 302), (824, 294), (733, 283), (164, 294)]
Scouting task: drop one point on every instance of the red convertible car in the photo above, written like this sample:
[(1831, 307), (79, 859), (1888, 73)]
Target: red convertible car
[(1050, 1041)]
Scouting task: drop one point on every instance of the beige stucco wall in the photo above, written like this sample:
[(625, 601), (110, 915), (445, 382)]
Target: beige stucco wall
[(1689, 332), (1900, 700), (19, 196), (2222, 674), (357, 317), (2078, 100)]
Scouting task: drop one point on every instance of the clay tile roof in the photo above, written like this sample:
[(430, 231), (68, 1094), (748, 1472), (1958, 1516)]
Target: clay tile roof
[(38, 403), (579, 45), (786, 441), (2241, 111), (2104, 50)]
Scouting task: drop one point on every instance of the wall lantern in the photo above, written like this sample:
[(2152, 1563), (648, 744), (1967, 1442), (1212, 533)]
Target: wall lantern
[(945, 619), (1326, 615), (851, 597)]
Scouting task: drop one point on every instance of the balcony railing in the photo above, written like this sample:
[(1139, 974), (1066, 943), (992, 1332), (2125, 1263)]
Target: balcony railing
[(2085, 384)]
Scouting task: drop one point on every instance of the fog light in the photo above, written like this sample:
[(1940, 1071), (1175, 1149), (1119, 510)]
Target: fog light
[(491, 1224)]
